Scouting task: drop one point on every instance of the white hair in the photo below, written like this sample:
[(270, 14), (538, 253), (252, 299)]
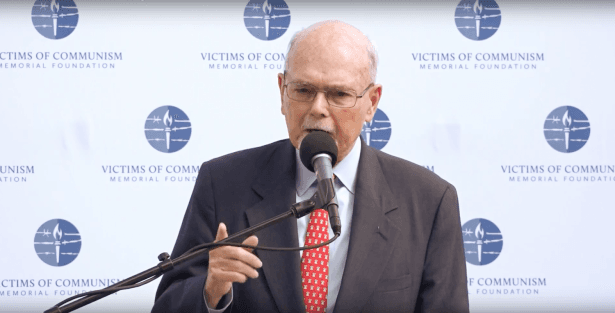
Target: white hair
[(372, 54)]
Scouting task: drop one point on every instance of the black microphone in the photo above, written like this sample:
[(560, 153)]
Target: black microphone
[(318, 153)]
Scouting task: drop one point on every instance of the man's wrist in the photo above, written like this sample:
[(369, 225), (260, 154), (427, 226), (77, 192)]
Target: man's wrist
[(212, 300), (221, 304)]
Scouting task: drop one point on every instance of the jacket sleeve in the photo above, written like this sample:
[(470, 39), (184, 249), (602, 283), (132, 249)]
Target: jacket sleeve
[(181, 289), (444, 282)]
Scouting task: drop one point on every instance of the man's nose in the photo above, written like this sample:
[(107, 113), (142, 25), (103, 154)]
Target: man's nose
[(320, 106)]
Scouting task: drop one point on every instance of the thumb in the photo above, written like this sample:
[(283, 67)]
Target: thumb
[(221, 232), (250, 241)]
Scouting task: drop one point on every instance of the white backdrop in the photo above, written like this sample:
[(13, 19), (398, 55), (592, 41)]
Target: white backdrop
[(64, 129)]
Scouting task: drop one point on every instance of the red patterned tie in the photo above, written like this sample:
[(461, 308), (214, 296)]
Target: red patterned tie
[(315, 263)]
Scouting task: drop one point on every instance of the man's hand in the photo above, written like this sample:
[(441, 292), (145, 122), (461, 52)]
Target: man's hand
[(228, 265)]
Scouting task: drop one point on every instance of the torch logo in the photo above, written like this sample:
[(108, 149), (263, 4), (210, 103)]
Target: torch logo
[(168, 129), (482, 241), (567, 129), (55, 19), (57, 242), (377, 132), (478, 19), (268, 19)]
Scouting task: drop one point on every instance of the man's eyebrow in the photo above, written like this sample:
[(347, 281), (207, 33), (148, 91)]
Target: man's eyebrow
[(301, 82), (342, 87), (334, 86)]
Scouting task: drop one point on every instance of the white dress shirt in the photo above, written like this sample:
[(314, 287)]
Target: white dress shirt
[(345, 180)]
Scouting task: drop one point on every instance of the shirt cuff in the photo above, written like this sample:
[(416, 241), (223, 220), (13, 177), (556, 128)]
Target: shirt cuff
[(225, 301)]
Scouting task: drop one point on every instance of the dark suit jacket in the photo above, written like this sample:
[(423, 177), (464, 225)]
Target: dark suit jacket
[(405, 252)]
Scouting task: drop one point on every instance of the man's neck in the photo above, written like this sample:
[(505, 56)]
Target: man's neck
[(342, 155)]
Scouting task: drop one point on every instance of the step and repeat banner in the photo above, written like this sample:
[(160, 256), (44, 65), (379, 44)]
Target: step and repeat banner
[(108, 109)]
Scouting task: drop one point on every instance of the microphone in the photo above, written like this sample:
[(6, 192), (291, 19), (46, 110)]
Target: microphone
[(318, 153)]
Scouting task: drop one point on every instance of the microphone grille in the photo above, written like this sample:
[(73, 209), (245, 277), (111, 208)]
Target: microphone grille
[(314, 143)]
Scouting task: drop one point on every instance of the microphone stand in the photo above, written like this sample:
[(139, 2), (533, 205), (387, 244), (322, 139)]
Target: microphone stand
[(166, 264)]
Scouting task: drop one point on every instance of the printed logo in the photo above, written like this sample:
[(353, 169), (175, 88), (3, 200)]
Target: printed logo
[(478, 19), (377, 132), (482, 241), (567, 129), (57, 242), (267, 20), (168, 129), (55, 19)]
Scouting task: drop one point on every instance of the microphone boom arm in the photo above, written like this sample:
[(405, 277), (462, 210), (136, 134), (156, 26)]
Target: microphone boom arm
[(166, 264)]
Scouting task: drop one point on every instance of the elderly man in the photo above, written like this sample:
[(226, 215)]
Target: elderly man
[(400, 249)]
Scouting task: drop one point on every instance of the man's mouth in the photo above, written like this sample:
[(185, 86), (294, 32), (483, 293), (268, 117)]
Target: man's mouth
[(309, 130)]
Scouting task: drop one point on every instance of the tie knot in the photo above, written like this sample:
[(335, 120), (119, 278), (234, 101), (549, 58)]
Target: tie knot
[(320, 214)]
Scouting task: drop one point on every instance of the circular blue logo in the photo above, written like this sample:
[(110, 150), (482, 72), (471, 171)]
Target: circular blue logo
[(57, 242), (168, 129), (377, 132), (482, 241), (567, 129), (55, 19), (268, 19), (478, 19)]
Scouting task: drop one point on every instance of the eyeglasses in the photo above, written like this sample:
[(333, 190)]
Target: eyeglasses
[(340, 98)]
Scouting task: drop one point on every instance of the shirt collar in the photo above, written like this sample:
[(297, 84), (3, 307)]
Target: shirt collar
[(345, 171)]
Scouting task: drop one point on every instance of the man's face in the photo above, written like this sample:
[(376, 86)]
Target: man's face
[(328, 67)]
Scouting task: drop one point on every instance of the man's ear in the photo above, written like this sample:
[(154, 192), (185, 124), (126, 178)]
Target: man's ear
[(281, 86), (374, 98)]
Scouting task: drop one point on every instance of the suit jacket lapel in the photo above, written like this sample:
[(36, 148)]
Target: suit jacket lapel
[(276, 186), (372, 234)]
